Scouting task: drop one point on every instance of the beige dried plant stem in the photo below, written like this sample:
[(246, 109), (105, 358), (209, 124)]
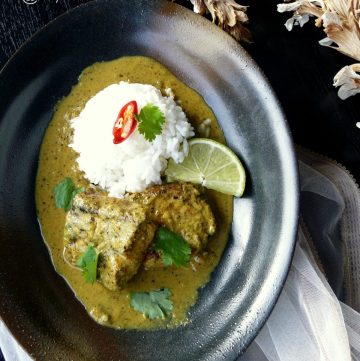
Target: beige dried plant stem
[(340, 20), (228, 15)]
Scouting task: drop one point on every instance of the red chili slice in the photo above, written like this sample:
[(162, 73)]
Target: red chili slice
[(125, 122)]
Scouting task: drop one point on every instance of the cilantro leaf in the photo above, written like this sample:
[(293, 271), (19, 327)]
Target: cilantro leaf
[(153, 304), (172, 248), (150, 120), (65, 192), (88, 262)]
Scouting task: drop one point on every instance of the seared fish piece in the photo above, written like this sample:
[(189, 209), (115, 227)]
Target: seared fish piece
[(118, 229), (181, 208), (122, 230)]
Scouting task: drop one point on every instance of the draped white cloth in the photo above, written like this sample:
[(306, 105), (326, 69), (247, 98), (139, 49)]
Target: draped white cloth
[(308, 323)]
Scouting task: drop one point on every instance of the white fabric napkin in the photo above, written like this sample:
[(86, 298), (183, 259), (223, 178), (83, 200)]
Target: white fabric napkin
[(308, 323)]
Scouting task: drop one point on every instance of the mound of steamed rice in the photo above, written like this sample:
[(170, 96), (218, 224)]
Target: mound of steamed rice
[(136, 163)]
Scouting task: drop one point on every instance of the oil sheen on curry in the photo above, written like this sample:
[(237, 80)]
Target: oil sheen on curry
[(134, 244)]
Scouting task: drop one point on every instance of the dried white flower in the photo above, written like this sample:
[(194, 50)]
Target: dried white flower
[(281, 8), (296, 19), (325, 42), (348, 80), (302, 9), (329, 18), (199, 6), (340, 20), (227, 14)]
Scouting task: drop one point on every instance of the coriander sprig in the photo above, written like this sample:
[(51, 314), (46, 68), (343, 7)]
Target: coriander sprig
[(64, 193), (88, 263), (150, 121), (174, 250), (153, 304)]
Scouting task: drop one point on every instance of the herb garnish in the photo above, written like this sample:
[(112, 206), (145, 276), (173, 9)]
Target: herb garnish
[(153, 304), (88, 262), (150, 121), (65, 192), (172, 248)]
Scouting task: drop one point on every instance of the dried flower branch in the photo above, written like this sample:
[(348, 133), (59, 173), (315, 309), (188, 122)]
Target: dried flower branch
[(340, 20), (228, 15)]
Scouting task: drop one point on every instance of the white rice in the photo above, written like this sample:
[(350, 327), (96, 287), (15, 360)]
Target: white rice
[(136, 163)]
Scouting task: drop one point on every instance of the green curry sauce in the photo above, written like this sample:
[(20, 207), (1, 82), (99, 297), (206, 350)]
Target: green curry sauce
[(57, 161)]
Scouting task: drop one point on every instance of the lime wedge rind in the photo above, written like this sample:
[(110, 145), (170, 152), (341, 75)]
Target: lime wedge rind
[(217, 185)]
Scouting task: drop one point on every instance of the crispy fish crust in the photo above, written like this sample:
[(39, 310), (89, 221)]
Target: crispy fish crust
[(119, 231), (122, 230), (180, 208)]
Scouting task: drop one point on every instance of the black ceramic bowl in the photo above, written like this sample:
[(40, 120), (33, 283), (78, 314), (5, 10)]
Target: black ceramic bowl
[(36, 303)]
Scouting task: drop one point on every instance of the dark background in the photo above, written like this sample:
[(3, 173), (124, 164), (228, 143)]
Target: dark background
[(299, 69)]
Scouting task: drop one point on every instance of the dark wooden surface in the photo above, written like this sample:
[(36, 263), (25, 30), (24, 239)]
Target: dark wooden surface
[(299, 70)]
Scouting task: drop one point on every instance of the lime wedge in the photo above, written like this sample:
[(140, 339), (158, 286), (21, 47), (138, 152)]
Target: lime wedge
[(212, 165)]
